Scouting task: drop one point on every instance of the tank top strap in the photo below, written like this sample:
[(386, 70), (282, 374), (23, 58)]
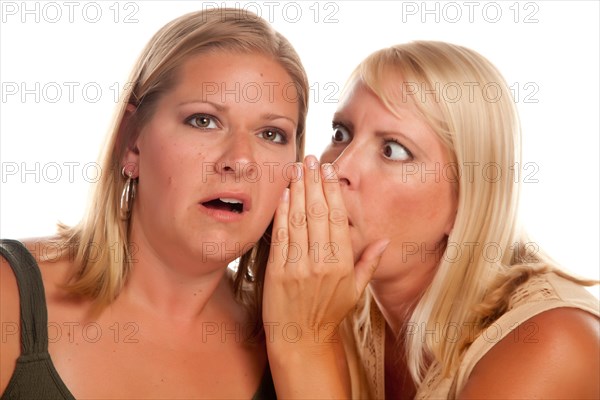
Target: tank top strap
[(34, 315)]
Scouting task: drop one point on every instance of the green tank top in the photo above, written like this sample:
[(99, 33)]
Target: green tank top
[(34, 376)]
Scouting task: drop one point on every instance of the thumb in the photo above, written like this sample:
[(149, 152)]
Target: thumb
[(368, 263)]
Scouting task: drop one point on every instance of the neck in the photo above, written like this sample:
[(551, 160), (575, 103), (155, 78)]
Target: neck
[(178, 288), (398, 295), (174, 296)]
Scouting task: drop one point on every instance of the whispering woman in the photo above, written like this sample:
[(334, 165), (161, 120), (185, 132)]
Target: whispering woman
[(459, 303)]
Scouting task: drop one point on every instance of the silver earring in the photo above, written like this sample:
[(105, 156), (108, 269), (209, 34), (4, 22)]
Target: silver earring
[(127, 195)]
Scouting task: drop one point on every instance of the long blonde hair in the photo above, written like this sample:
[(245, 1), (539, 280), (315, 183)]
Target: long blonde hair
[(100, 245), (467, 102)]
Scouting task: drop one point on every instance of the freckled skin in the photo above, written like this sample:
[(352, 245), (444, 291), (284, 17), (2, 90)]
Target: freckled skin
[(175, 288), (416, 211), (387, 199), (181, 158)]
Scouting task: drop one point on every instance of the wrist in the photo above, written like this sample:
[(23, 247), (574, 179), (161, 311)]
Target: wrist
[(309, 370), (294, 337)]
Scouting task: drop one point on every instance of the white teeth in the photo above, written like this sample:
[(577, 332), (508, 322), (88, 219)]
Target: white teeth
[(231, 201)]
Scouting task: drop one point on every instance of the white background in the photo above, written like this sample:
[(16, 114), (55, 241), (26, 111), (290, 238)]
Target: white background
[(55, 55)]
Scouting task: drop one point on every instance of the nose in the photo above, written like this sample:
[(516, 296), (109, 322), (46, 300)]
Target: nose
[(237, 157), (347, 165)]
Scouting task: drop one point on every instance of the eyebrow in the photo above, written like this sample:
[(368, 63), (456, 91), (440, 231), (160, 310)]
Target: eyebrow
[(272, 117), (221, 108), (338, 118)]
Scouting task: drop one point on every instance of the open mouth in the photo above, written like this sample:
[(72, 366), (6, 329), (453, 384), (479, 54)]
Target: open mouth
[(225, 204)]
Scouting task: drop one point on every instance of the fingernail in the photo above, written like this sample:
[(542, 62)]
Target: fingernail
[(381, 248), (328, 170), (312, 162)]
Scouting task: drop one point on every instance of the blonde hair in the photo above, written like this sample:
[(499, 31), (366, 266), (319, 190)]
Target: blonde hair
[(101, 273), (467, 102)]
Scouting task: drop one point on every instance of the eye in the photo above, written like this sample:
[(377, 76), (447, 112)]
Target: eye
[(202, 121), (274, 135), (340, 134), (394, 151)]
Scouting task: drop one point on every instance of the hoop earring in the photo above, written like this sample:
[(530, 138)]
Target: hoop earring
[(127, 195)]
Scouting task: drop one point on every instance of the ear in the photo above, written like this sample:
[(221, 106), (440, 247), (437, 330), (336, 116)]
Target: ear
[(130, 160)]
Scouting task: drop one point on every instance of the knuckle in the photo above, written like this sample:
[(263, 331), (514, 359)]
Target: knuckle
[(282, 235), (320, 271), (317, 210), (314, 175), (338, 216), (298, 219), (331, 184), (291, 252)]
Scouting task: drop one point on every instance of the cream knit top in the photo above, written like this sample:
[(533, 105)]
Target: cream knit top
[(540, 293)]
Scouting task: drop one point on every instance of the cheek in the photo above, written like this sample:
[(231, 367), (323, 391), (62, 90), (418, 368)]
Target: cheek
[(275, 168), (274, 177), (162, 166), (169, 168), (431, 208), (412, 211)]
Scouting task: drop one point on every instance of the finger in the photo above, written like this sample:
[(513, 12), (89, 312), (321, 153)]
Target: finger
[(368, 263), (317, 213), (339, 232), (298, 235), (280, 234)]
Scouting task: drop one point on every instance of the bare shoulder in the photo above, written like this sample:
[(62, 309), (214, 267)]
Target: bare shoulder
[(555, 354)]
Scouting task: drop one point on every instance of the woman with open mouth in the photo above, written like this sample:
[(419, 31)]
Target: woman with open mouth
[(137, 300)]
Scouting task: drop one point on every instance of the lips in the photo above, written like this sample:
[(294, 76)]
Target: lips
[(227, 205)]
